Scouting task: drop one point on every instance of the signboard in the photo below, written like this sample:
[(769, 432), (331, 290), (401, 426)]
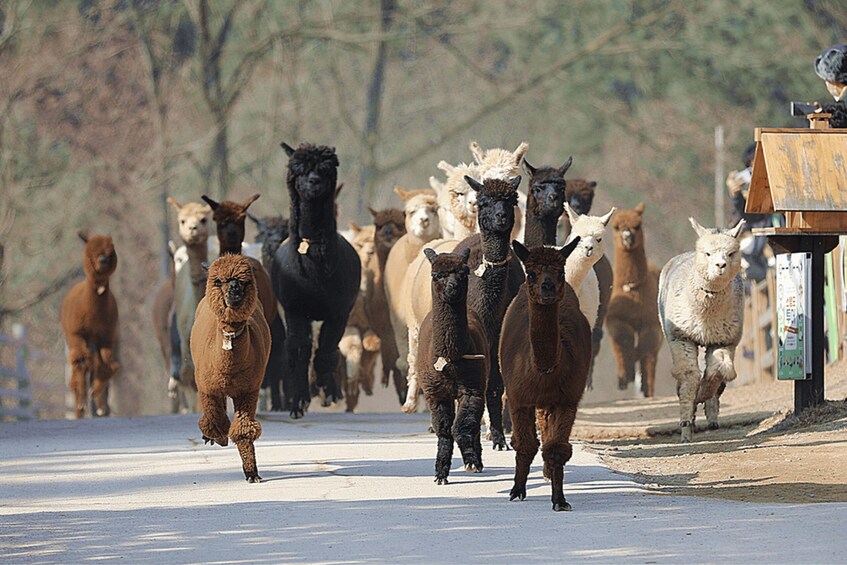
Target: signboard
[(793, 316)]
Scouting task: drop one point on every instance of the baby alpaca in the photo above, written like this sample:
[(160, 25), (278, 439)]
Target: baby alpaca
[(230, 345), (701, 306)]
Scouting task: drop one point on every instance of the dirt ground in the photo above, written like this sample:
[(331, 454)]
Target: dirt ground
[(762, 453)]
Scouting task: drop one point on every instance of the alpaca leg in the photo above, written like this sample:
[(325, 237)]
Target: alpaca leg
[(713, 407), (443, 415), (176, 365), (105, 368), (79, 358), (649, 343), (686, 371), (350, 350), (720, 368), (623, 346), (214, 423), (525, 444), (411, 404), (244, 431), (370, 344), (556, 450), (471, 405), (541, 424), (299, 345), (494, 398), (326, 358), (276, 364)]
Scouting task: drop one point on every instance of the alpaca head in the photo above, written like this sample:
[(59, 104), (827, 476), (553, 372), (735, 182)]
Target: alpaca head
[(312, 171), (460, 200), (229, 218), (717, 259), (545, 271), (421, 209), (99, 258), (580, 194), (547, 189), (449, 274), (498, 163), (271, 230), (231, 288), (590, 230), (363, 242), (389, 225), (193, 221), (626, 226), (497, 200)]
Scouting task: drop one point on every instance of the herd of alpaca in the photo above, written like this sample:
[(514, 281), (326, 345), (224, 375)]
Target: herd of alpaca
[(440, 295)]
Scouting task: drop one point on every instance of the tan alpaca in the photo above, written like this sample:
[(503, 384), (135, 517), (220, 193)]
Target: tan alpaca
[(230, 345)]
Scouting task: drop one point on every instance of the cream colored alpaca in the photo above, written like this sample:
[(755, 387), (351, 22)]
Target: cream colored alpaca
[(579, 268), (503, 164), (456, 201)]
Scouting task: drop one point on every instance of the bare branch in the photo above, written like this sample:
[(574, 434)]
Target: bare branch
[(52, 288)]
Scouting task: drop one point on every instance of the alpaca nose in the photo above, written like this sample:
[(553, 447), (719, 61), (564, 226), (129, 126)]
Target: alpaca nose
[(425, 222), (234, 293), (721, 264), (102, 260)]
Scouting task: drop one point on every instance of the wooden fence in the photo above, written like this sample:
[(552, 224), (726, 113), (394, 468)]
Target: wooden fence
[(15, 385)]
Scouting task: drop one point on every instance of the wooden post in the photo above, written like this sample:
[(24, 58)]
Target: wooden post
[(720, 214)]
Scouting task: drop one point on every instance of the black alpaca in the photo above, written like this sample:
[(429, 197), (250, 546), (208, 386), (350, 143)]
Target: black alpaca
[(497, 278), (452, 364), (316, 273), (545, 203), (272, 231)]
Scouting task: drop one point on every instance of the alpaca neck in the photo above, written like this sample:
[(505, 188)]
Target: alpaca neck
[(576, 269), (495, 246), (198, 254), (706, 297), (544, 335), (450, 328), (316, 220), (630, 266), (230, 249), (98, 285), (540, 230)]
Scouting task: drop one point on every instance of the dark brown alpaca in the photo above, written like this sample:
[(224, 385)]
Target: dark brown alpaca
[(90, 323), (230, 345), (633, 315), (545, 352), (389, 226), (452, 364)]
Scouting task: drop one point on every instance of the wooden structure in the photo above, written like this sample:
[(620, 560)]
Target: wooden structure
[(802, 173), (756, 354), (15, 389)]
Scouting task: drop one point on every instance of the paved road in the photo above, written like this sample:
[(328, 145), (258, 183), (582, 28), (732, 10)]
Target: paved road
[(344, 488)]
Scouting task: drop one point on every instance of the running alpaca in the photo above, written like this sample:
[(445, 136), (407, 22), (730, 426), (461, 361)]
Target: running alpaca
[(230, 345), (389, 226), (701, 305), (633, 316), (422, 226), (456, 202), (503, 164), (189, 288), (545, 351), (89, 318), (163, 322), (452, 364), (545, 203), (315, 272)]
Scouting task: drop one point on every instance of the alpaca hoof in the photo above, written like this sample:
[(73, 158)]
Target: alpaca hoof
[(517, 492), (296, 413), (474, 467), (687, 431), (713, 426), (562, 506), (410, 407), (223, 443), (498, 441), (254, 478), (622, 385), (441, 481)]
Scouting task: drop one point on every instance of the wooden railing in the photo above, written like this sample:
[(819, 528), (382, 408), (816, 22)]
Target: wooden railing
[(15, 385)]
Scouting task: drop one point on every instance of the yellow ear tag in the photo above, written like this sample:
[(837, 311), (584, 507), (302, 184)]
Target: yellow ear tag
[(303, 248), (479, 271)]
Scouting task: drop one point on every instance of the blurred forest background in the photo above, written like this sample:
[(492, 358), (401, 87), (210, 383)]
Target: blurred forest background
[(109, 106)]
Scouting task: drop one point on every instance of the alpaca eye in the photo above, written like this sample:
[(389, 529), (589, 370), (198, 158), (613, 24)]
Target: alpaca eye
[(203, 221), (218, 283), (731, 254), (708, 254), (531, 277), (182, 222)]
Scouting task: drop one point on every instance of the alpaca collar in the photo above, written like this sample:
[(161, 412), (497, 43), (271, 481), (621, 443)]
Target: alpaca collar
[(548, 370), (229, 336), (442, 362), (703, 293), (303, 248), (486, 264), (629, 287)]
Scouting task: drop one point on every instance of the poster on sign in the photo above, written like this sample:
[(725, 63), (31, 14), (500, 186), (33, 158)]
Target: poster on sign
[(793, 308)]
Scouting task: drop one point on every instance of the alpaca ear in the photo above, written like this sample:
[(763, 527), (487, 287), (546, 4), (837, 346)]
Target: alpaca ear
[(520, 151), (436, 185), (736, 231), (171, 248), (478, 154), (338, 189), (605, 219), (250, 201), (564, 168), (569, 247), (592, 184), (465, 254), (372, 211), (401, 193), (210, 202), (430, 254), (255, 220), (174, 203), (287, 148), (515, 182), (445, 166), (355, 227), (83, 235), (640, 208), (521, 251), (205, 265), (701, 231), (572, 215), (530, 170), (473, 183)]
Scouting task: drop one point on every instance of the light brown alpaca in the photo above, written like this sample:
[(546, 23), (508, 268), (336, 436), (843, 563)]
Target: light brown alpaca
[(230, 345), (89, 318), (189, 288), (633, 315), (162, 318), (545, 352)]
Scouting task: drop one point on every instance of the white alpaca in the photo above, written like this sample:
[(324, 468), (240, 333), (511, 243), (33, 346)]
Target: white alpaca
[(701, 306), (456, 201), (579, 267)]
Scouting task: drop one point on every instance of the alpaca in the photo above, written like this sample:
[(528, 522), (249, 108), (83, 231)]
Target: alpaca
[(545, 202), (89, 318), (422, 226), (360, 345), (271, 232), (230, 345), (701, 307), (315, 272), (389, 226), (189, 288), (452, 364), (164, 323), (456, 202), (632, 318), (495, 282), (498, 163), (545, 352)]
